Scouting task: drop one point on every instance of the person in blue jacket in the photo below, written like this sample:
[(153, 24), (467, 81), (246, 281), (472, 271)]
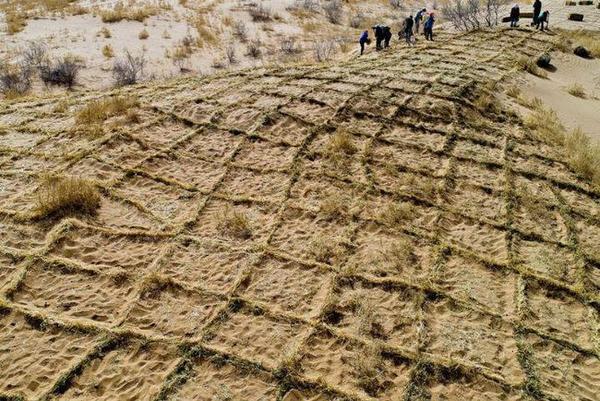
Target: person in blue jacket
[(364, 40), (428, 27)]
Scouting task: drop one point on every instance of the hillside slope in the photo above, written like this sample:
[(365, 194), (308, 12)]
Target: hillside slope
[(352, 231)]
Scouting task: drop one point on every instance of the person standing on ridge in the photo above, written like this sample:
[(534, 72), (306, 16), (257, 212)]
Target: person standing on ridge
[(418, 19), (515, 13), (537, 9), (378, 36), (408, 29), (387, 36), (364, 40), (428, 27)]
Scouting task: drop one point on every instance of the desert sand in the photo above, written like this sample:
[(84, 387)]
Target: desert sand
[(380, 227)]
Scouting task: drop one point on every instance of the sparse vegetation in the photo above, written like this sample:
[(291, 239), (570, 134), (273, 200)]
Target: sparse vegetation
[(235, 223), (98, 111), (576, 90), (529, 65), (62, 72), (61, 195), (129, 69), (107, 51), (260, 13), (143, 35)]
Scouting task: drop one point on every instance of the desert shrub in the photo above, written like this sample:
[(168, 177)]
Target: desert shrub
[(334, 11), (576, 90), (289, 45), (35, 55), (129, 69), (143, 35), (324, 50), (240, 30), (590, 40), (235, 224), (61, 73), (583, 156), (64, 195), (15, 21), (15, 79), (120, 13), (260, 13), (105, 32), (340, 144), (473, 14), (253, 49), (98, 111), (107, 51), (396, 4), (179, 56), (529, 65), (230, 54), (205, 34)]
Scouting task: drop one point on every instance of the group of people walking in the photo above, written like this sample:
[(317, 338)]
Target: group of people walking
[(410, 28), (540, 19)]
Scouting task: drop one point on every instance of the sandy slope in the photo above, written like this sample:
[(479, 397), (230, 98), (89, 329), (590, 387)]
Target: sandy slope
[(397, 242)]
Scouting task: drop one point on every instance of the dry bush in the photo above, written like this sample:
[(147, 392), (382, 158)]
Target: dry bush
[(107, 51), (340, 144), (35, 55), (289, 45), (143, 35), (253, 49), (61, 196), (529, 65), (468, 15), (234, 223), (205, 34), (98, 111), (324, 50), (15, 79), (240, 30), (105, 32), (583, 156), (230, 54), (334, 11), (260, 13), (15, 21), (129, 69), (120, 13), (61, 73), (588, 39), (577, 90), (180, 56), (545, 124)]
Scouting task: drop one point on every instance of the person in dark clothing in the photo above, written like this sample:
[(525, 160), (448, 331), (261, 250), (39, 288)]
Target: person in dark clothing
[(387, 36), (378, 29), (428, 27), (515, 13), (364, 40), (418, 19), (537, 9), (543, 18), (408, 29)]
